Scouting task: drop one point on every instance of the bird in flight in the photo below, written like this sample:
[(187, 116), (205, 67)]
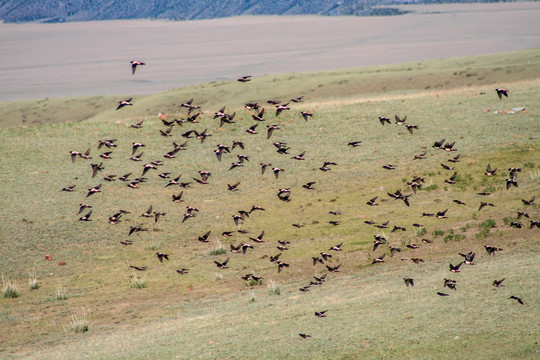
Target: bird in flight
[(134, 64)]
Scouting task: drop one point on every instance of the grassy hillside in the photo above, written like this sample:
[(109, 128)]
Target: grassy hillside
[(445, 74), (211, 312)]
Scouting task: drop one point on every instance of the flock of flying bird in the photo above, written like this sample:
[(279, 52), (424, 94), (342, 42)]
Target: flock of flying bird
[(284, 194)]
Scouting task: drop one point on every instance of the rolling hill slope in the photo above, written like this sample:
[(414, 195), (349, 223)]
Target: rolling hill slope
[(211, 312)]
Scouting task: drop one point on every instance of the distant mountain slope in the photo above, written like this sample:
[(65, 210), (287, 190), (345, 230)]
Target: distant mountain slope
[(84, 10)]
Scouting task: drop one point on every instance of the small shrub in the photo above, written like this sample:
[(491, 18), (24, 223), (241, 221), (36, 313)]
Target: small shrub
[(9, 288), (437, 233), (252, 298), (431, 187), (79, 323), (273, 288), (253, 282), (459, 237), (448, 237), (488, 224), (535, 175), (33, 281), (529, 165), (61, 294), (218, 250), (219, 277), (152, 246), (507, 220), (137, 282), (483, 234), (421, 231)]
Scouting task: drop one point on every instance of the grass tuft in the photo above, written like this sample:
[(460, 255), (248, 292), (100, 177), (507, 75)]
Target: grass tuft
[(79, 323), (9, 288), (137, 282), (273, 288), (61, 294), (218, 250), (33, 283)]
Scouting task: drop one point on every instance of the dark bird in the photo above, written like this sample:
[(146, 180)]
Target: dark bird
[(389, 167), (408, 281), (306, 115), (333, 269), (321, 313), (264, 166), (528, 202), (411, 127), (450, 283), (498, 283), (299, 156), (309, 185), (135, 146), (282, 107), (501, 92), (148, 167), (259, 238), (123, 103), (446, 167), (166, 132), (237, 143), (113, 220), (233, 187), (379, 259), (221, 265), (354, 144), (276, 171), (281, 265), (469, 257), (271, 129), (162, 256), (94, 190), (86, 217), (393, 250), (336, 247), (137, 125), (245, 247), (304, 336), (420, 156), (452, 179), (510, 182), (255, 208), (251, 130), (534, 223), (137, 228), (105, 155), (316, 260), (521, 214), (517, 299), (449, 147), (417, 260), (400, 121), (455, 268), (82, 207), (442, 214), (413, 246), (325, 256), (96, 168), (384, 119), (244, 78), (182, 271), (139, 268), (489, 171), (68, 188), (126, 242), (438, 144), (455, 159), (148, 213), (134, 64), (492, 249), (483, 205), (371, 202), (442, 294), (297, 99)]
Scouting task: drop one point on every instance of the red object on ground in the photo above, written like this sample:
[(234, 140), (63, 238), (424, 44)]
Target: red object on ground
[(48, 257)]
